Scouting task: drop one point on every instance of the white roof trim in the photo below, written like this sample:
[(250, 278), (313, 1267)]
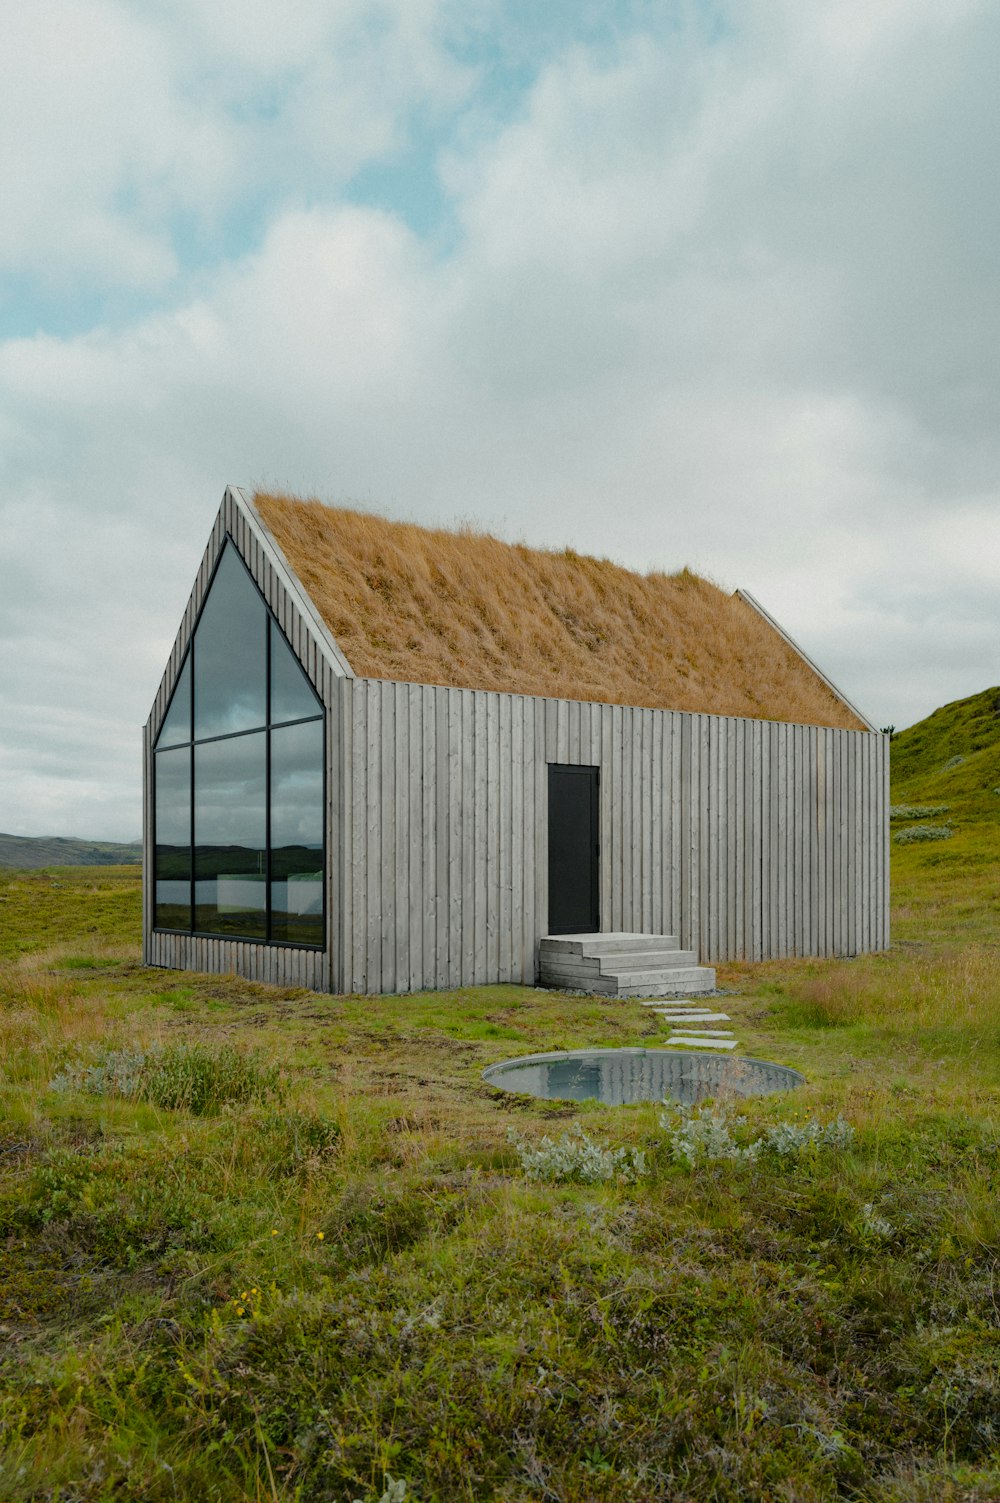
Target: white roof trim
[(756, 605)]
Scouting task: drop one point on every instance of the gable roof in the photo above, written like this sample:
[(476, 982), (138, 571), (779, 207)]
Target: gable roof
[(426, 605)]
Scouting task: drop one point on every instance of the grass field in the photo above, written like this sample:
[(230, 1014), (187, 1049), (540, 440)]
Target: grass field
[(221, 1280)]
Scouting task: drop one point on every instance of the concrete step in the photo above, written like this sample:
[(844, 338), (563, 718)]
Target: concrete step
[(573, 981), (622, 965), (606, 944), (645, 960), (678, 975)]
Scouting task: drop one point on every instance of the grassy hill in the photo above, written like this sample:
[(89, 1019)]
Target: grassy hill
[(946, 783), (306, 1256), (31, 852), (952, 757)]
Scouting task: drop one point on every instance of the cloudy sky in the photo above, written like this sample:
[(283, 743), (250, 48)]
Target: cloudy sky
[(680, 283)]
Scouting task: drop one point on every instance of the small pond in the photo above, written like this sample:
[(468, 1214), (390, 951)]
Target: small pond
[(618, 1077)]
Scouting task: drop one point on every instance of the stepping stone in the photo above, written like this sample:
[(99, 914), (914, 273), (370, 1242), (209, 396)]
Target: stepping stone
[(709, 1033), (681, 1009), (694, 1017), (693, 1043)]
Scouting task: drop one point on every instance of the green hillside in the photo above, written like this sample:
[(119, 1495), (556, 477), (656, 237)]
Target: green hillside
[(946, 823), (952, 757), (29, 852)]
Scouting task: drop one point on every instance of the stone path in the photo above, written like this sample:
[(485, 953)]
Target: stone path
[(687, 1019)]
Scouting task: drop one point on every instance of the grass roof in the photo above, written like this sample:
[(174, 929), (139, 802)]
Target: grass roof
[(426, 605)]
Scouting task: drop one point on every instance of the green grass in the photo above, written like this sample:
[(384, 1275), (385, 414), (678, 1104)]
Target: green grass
[(296, 1287)]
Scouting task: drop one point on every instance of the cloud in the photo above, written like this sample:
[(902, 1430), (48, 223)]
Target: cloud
[(726, 300), (134, 134)]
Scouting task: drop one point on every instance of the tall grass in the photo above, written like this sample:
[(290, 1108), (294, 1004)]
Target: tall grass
[(954, 993), (465, 609)]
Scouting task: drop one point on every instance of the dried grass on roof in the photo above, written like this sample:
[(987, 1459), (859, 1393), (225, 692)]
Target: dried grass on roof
[(462, 608)]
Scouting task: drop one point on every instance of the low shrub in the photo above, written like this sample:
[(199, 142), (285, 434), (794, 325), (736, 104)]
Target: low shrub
[(913, 833), (395, 1491), (185, 1077), (576, 1157), (917, 811), (707, 1134)]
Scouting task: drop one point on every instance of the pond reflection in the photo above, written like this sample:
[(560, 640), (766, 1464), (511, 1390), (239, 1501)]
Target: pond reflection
[(618, 1077)]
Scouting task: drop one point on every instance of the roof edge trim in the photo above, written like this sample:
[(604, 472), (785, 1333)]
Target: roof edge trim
[(296, 589), (766, 615)]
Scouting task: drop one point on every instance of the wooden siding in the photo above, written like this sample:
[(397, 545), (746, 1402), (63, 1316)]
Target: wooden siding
[(326, 668), (745, 839), (278, 965)]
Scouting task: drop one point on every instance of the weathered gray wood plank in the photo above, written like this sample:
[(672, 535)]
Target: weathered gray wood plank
[(488, 965), (472, 916), (456, 835), (505, 876), (541, 823), (517, 838), (373, 853)]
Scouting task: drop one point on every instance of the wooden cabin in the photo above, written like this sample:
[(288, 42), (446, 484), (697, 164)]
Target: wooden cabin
[(384, 758)]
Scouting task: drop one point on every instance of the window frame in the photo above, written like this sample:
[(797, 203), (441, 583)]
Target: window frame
[(271, 622)]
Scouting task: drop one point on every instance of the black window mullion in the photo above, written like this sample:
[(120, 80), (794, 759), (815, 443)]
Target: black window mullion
[(270, 625)]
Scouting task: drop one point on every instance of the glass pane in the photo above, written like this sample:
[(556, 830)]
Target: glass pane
[(230, 666), (297, 834), (292, 695), (230, 835), (172, 817), (177, 722)]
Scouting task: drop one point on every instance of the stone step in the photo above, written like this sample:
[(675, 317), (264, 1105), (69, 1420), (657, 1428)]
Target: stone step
[(622, 965), (646, 960), (678, 1004), (709, 1033), (698, 1043), (605, 944), (693, 976), (693, 1017)]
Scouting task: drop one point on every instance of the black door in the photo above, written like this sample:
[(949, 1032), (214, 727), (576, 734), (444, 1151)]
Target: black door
[(574, 850)]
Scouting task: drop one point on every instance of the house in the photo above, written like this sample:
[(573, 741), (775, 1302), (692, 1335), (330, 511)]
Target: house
[(384, 758)]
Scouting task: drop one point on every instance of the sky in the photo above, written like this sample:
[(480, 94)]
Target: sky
[(693, 283)]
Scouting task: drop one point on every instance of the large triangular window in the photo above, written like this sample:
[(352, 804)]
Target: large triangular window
[(238, 784)]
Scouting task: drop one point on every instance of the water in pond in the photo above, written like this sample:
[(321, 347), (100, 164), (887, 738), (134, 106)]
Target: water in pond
[(620, 1076)]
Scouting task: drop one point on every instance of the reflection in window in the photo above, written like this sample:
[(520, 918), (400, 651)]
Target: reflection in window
[(230, 656), (172, 773), (292, 696), (297, 833), (239, 690), (176, 726), (230, 836)]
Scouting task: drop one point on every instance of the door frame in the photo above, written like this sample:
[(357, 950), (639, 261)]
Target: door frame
[(593, 777)]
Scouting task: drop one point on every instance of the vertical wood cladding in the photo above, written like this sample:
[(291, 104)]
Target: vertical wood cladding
[(745, 839)]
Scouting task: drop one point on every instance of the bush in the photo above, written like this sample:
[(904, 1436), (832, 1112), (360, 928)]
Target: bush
[(702, 1135), (185, 1077), (577, 1157), (922, 832), (917, 811)]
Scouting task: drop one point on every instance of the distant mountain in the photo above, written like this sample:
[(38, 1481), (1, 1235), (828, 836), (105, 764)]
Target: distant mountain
[(60, 850)]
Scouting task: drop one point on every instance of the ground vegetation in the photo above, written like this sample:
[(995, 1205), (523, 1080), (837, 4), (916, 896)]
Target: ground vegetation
[(259, 1244)]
